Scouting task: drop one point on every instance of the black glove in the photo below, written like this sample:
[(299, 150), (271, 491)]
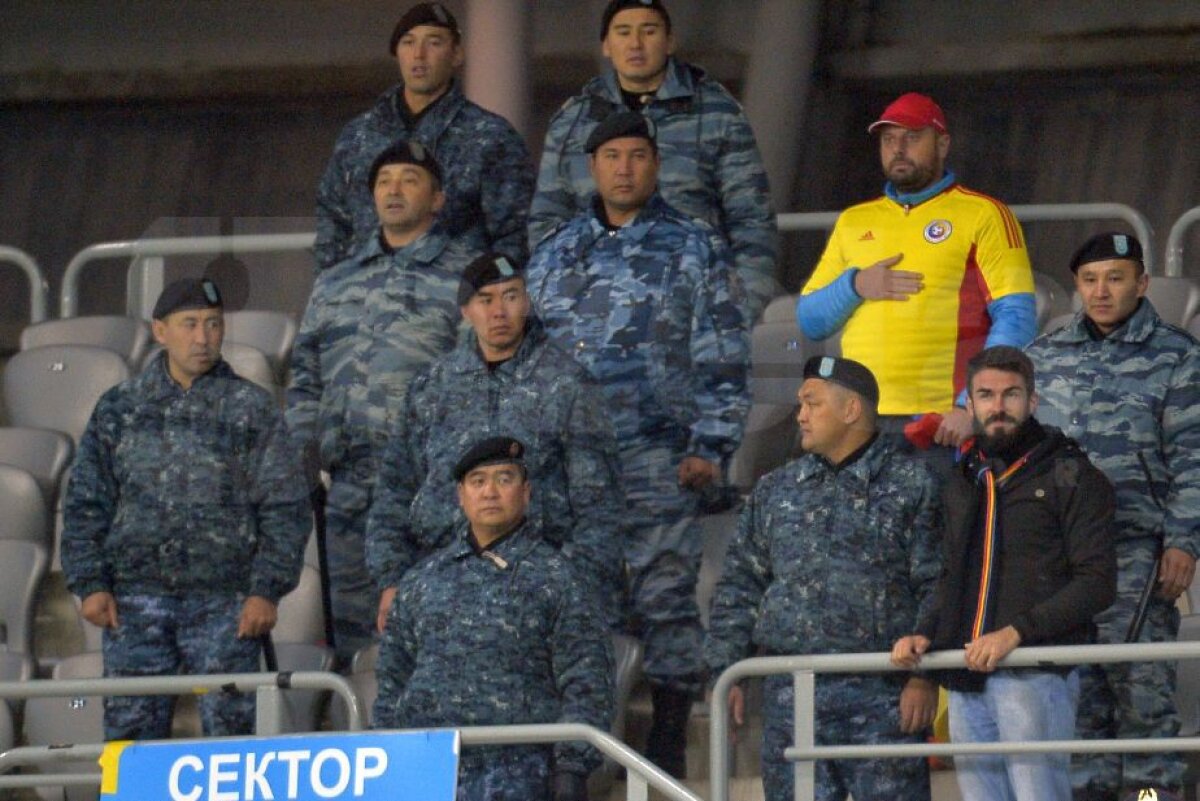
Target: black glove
[(570, 786)]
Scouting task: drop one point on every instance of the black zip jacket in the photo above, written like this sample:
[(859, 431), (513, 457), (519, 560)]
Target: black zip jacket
[(1056, 564)]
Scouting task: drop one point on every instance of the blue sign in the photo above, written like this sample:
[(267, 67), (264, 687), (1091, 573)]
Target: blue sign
[(367, 766)]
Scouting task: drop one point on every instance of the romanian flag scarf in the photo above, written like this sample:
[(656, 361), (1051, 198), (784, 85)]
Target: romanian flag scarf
[(991, 484)]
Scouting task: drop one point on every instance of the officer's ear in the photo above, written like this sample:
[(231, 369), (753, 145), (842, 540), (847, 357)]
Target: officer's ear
[(159, 329), (439, 200), (852, 408)]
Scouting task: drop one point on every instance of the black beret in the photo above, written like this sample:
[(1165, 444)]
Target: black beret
[(488, 269), (494, 450), (617, 6), (405, 152), (850, 374), (187, 293), (620, 125), (434, 14), (1105, 247)]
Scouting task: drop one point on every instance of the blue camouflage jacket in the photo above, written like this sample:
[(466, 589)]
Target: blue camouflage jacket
[(179, 492), (829, 560), (371, 323), (479, 640), (711, 169), (541, 397), (651, 311), (1132, 402), (486, 170)]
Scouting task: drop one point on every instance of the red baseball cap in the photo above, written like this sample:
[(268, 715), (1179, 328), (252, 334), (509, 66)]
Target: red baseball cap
[(912, 111)]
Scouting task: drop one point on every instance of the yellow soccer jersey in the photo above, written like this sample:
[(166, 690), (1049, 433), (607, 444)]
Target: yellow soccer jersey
[(970, 250)]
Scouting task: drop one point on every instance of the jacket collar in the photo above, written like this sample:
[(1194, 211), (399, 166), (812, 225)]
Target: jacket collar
[(680, 81), (426, 249), (512, 547), (435, 118), (862, 470), (636, 229), (466, 358), (157, 383), (917, 198), (1136, 330)]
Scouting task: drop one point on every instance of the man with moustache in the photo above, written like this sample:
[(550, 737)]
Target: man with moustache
[(494, 629), (184, 521), (1126, 385), (487, 174), (1029, 560), (920, 280), (371, 323), (711, 167), (505, 375)]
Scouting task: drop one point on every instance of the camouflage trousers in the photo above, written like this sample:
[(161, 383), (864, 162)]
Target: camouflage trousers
[(161, 635), (850, 710), (352, 592), (662, 557), (504, 774), (1133, 699)]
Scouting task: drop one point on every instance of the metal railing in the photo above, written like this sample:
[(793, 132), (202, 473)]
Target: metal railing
[(1174, 266), (805, 668), (641, 774), (270, 712), (38, 288), (175, 246), (1047, 212)]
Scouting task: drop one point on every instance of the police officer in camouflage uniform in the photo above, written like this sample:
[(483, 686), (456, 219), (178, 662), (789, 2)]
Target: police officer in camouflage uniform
[(184, 521), (371, 323), (711, 167), (493, 630), (644, 299), (504, 376), (488, 175), (1126, 385), (836, 552)]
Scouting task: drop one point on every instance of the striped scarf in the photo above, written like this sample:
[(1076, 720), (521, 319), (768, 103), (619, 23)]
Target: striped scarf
[(992, 485)]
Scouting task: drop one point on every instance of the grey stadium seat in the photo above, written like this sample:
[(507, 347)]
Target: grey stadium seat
[(127, 336), (73, 720), (45, 454), (24, 514), (300, 616), (22, 567), (1051, 298), (304, 706), (57, 386), (271, 332), (780, 310), (362, 678), (1175, 299), (251, 364)]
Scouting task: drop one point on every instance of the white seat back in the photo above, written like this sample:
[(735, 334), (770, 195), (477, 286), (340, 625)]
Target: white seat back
[(127, 336), (57, 386)]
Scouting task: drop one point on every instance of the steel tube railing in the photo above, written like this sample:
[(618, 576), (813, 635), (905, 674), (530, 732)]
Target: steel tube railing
[(1174, 265), (191, 685), (38, 288), (805, 668), (641, 773), (1048, 212), (175, 246)]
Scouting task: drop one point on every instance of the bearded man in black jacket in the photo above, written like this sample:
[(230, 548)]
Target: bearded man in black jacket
[(1029, 560)]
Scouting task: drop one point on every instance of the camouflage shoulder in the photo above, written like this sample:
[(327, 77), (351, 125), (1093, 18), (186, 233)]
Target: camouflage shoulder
[(714, 93), (490, 120), (553, 233), (1179, 336)]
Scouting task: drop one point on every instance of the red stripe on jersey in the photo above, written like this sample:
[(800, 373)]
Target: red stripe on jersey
[(973, 320), (1012, 229)]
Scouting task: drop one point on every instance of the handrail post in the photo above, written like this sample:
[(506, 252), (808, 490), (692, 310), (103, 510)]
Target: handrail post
[(1175, 239), (38, 288), (804, 721)]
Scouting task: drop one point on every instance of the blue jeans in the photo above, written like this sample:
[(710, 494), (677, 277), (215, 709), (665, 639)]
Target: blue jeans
[(1016, 705)]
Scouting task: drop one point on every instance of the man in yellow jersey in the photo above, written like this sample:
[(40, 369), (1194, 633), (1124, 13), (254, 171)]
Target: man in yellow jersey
[(921, 279)]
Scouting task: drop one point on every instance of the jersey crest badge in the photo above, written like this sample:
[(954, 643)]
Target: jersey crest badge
[(938, 231)]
